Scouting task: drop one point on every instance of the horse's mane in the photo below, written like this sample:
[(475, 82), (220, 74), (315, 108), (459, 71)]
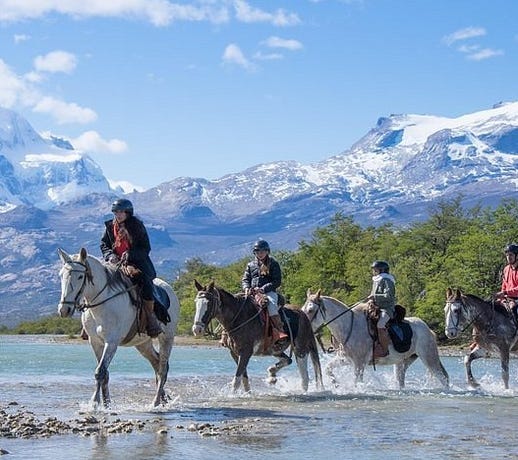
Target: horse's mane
[(334, 301), (497, 306), (114, 277)]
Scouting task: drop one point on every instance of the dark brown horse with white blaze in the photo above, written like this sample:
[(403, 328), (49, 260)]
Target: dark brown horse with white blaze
[(241, 319), (493, 329)]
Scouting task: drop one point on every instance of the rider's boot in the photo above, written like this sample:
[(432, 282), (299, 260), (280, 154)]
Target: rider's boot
[(152, 326), (381, 349), (278, 328)]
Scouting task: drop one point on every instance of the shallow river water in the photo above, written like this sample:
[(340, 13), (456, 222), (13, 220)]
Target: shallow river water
[(52, 378)]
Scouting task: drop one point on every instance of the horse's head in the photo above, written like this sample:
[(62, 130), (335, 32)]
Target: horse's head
[(74, 275), (453, 313), (207, 302), (314, 309)]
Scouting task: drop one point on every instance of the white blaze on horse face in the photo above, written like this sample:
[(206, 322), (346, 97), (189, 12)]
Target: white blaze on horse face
[(71, 283), (201, 307), (452, 312), (311, 309)]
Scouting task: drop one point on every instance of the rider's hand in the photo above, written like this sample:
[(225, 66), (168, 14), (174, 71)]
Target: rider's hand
[(113, 259), (124, 257), (500, 295)]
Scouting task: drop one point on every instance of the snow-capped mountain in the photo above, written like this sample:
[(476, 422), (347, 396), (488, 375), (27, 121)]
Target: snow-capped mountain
[(51, 195)]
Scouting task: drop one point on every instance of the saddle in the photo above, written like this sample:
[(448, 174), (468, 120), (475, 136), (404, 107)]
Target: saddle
[(399, 330), (271, 334)]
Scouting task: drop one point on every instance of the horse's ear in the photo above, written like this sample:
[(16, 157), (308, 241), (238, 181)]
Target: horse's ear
[(308, 293), (82, 254), (449, 293), (317, 295), (458, 293), (211, 285), (197, 285), (64, 256)]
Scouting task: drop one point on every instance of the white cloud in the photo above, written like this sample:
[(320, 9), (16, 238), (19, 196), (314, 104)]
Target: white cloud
[(247, 13), (13, 89), (125, 186), (157, 12), (56, 61), (268, 56), (91, 141), (18, 38), (234, 55), (485, 53), (64, 112), (463, 34), (276, 42)]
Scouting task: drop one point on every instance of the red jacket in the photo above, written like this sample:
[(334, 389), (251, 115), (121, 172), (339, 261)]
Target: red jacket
[(510, 281)]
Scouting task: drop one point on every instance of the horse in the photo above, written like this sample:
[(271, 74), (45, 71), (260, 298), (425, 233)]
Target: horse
[(109, 317), (241, 319), (350, 330), (493, 329)]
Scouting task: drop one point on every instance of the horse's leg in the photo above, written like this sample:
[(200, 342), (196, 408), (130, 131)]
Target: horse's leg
[(317, 368), (476, 353), (284, 360), (401, 368), (160, 363), (97, 347), (102, 376), (302, 364), (241, 373), (504, 363)]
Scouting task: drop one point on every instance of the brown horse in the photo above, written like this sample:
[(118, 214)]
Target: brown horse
[(493, 329), (242, 321)]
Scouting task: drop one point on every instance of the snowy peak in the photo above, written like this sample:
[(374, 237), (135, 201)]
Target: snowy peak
[(42, 173)]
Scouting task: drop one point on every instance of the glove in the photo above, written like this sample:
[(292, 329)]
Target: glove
[(113, 259), (500, 295)]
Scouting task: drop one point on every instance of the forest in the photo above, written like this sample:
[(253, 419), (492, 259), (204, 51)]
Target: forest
[(454, 247)]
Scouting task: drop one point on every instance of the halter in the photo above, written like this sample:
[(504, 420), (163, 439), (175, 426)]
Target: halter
[(87, 271), (88, 277), (213, 300), (463, 308), (322, 309)]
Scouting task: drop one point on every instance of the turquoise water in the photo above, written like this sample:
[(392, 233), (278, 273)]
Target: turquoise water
[(54, 378)]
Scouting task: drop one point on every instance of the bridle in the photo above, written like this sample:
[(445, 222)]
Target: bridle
[(88, 277), (455, 314), (321, 308), (213, 303)]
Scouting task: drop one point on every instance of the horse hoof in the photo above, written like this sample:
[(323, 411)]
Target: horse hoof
[(272, 380)]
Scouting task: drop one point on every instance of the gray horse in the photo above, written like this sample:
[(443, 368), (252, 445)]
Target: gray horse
[(350, 329), (241, 319), (493, 329)]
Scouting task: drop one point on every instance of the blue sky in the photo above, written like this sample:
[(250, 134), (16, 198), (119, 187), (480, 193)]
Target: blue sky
[(157, 89)]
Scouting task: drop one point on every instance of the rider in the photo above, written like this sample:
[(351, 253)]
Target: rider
[(125, 240), (263, 275), (383, 295), (508, 294)]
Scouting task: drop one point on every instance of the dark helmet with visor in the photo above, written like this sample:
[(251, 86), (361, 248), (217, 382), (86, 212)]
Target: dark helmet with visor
[(512, 247), (381, 265), (122, 204), (261, 245)]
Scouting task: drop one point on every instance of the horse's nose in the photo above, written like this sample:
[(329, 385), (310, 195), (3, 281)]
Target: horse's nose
[(450, 333), (63, 310)]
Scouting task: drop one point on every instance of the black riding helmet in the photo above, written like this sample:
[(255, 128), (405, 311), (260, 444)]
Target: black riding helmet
[(122, 204), (512, 247), (261, 245), (381, 265)]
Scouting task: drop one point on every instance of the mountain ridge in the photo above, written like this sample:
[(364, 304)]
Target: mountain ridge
[(52, 195)]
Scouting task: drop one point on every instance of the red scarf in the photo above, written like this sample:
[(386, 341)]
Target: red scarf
[(122, 243)]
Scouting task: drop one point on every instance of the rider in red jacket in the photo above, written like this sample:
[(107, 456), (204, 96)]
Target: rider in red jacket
[(508, 293)]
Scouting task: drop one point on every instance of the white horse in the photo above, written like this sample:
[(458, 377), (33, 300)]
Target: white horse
[(110, 318), (350, 329)]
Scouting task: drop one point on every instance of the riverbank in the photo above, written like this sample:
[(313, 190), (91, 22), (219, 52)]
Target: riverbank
[(191, 341)]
